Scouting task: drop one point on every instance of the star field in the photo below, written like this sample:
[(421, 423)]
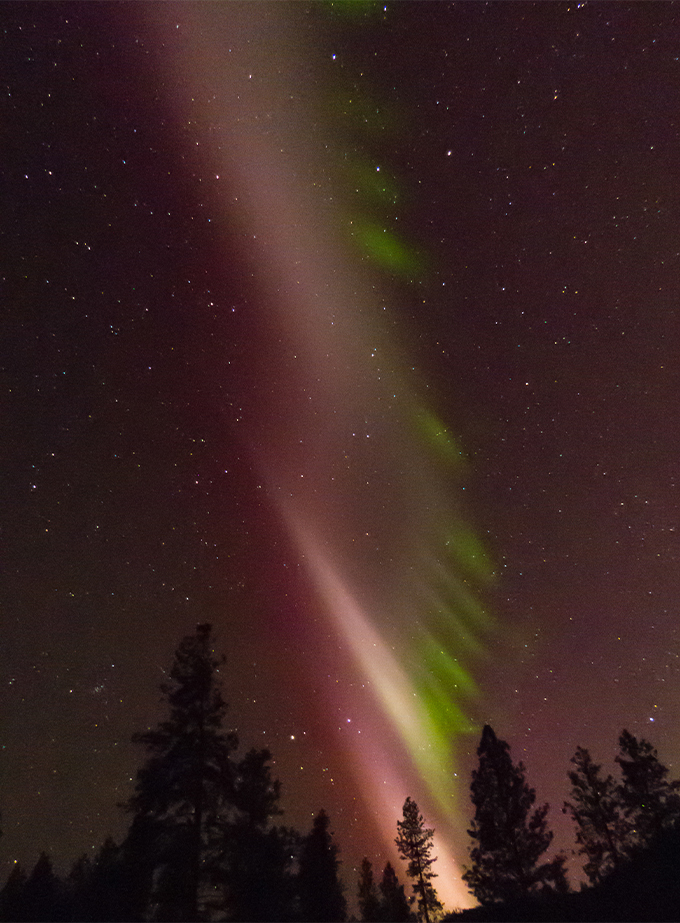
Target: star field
[(292, 299)]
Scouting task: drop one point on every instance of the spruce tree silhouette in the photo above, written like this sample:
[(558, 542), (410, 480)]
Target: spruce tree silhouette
[(414, 842), (319, 887), (12, 895), (187, 784), (369, 903), (255, 864), (42, 900), (394, 906)]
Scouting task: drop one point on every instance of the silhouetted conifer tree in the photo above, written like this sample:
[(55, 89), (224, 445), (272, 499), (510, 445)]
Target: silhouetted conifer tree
[(645, 888), (77, 887), (650, 802), (115, 885), (394, 906), (42, 896), (256, 794), (603, 833), (187, 782), (511, 838), (99, 890), (84, 900), (12, 895), (256, 858), (319, 886), (260, 885), (369, 904), (137, 861), (414, 842)]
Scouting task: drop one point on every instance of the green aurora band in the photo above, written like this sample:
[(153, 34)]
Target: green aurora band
[(365, 475)]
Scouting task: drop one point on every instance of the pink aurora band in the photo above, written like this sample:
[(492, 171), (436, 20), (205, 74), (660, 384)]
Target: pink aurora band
[(362, 472)]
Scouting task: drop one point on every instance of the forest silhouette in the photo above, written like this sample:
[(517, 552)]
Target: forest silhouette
[(204, 842)]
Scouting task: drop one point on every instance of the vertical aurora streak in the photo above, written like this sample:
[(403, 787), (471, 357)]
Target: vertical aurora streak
[(362, 472)]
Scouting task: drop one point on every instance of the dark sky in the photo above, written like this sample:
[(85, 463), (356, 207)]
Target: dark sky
[(270, 272)]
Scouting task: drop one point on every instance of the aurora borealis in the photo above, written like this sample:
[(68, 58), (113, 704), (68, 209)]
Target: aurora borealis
[(353, 331), (346, 453)]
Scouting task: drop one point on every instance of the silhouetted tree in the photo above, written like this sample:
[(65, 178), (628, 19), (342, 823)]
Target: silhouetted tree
[(77, 887), (187, 782), (102, 889), (645, 888), (603, 833), (369, 904), (137, 861), (256, 794), (510, 837), (12, 895), (414, 842), (650, 802), (260, 884), (319, 886), (120, 876), (42, 897), (394, 906), (256, 857)]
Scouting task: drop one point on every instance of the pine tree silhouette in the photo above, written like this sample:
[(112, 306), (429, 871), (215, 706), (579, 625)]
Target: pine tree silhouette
[(603, 833), (510, 836), (650, 801)]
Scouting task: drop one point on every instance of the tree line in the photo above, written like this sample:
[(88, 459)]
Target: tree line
[(627, 835), (205, 842)]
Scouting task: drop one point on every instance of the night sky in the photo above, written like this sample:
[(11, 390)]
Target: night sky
[(353, 331)]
